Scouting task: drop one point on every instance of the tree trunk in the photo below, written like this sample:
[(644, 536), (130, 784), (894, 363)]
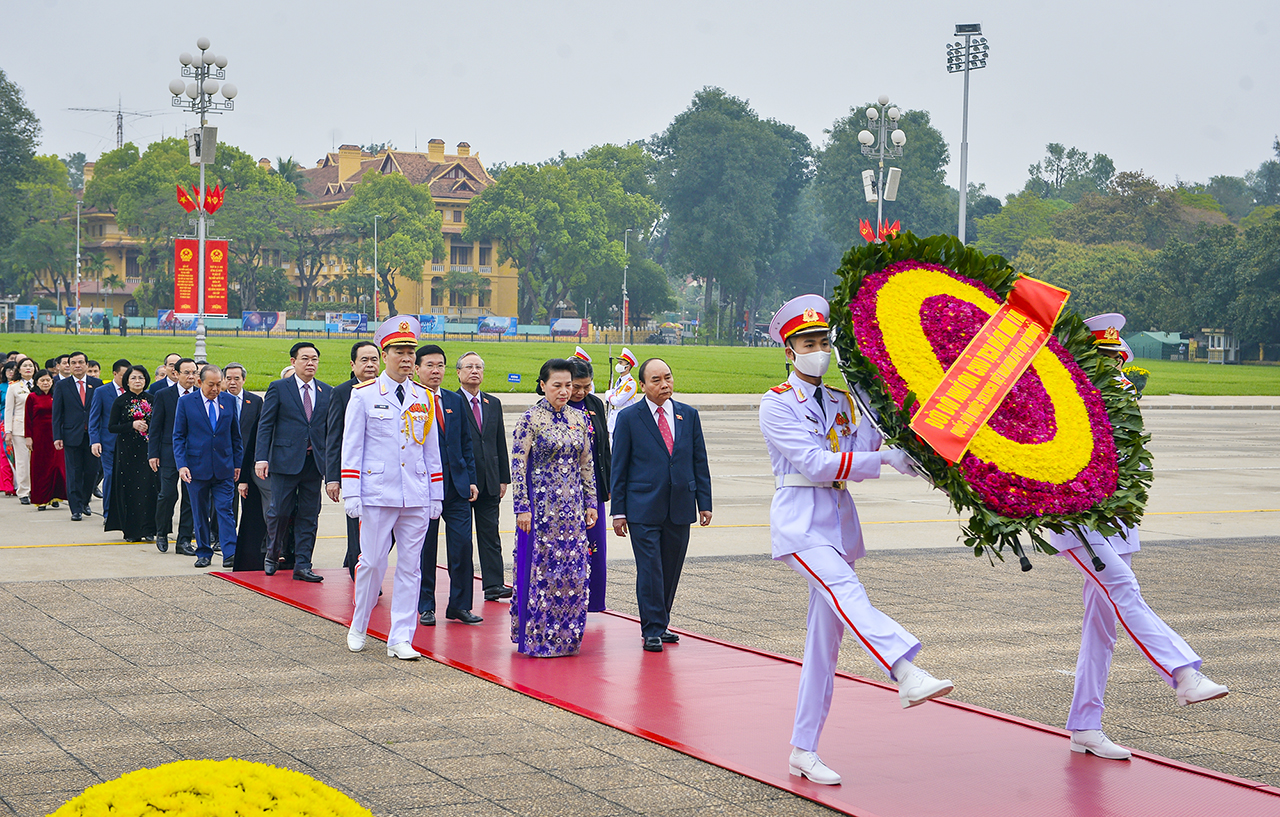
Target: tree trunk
[(390, 291)]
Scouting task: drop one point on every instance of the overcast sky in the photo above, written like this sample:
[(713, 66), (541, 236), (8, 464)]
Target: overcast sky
[(1175, 88)]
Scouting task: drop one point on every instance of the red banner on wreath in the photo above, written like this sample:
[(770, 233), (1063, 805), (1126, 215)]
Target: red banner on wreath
[(215, 277), (185, 274), (978, 381)]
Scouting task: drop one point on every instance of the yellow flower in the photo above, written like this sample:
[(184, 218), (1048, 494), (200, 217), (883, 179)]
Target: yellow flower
[(213, 788)]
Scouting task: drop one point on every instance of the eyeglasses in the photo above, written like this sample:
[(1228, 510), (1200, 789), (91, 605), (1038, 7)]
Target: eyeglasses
[(472, 367)]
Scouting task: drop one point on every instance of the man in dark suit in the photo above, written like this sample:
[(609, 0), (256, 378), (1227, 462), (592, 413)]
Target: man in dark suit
[(71, 402), (459, 490), (364, 367), (102, 443), (661, 486), (290, 453), (207, 450), (233, 377), (493, 471), (169, 379), (164, 408)]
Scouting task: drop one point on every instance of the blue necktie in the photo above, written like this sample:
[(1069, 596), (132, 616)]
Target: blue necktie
[(213, 415)]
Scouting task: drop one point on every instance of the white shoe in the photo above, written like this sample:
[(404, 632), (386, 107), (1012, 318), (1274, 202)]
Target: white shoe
[(1094, 742), (808, 764), (1196, 688), (919, 686), (355, 641), (404, 651)]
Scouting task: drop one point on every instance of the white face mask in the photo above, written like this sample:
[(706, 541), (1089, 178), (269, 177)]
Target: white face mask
[(621, 368), (814, 364)]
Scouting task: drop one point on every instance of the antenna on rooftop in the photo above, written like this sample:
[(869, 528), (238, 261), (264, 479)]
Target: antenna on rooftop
[(120, 113)]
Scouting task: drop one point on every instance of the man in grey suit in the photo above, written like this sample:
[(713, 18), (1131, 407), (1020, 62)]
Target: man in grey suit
[(493, 471), (290, 453)]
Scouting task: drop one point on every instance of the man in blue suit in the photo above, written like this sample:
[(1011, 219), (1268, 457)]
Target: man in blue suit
[(290, 453), (459, 491), (661, 486), (207, 450), (72, 397), (102, 443)]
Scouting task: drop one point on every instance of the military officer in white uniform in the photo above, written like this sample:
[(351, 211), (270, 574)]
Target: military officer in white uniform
[(1113, 593), (393, 481), (817, 442), (625, 391)]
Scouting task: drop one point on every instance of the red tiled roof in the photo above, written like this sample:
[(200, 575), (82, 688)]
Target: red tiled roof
[(325, 187)]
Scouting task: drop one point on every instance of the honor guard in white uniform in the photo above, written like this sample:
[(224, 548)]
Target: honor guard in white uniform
[(1114, 593), (393, 481), (817, 443), (625, 391)]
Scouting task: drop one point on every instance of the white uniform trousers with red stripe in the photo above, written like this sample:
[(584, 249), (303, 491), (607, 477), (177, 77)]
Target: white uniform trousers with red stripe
[(1107, 595), (376, 525), (837, 600)]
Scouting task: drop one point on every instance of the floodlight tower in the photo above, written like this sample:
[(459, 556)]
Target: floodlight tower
[(966, 57)]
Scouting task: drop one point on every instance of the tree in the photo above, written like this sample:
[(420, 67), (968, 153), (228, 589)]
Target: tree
[(1233, 193), (1101, 277), (1136, 209), (75, 169), (409, 229), (289, 170), (978, 205), (19, 136), (925, 204), (1254, 314), (1024, 217), (1195, 283), (1069, 173), (729, 182), (43, 248), (311, 238), (1265, 181), (255, 216)]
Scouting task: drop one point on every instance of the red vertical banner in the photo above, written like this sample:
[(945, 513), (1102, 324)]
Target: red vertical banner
[(185, 274), (215, 277)]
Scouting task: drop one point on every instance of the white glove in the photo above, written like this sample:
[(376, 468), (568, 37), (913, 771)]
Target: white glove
[(433, 508), (352, 506), (898, 460)]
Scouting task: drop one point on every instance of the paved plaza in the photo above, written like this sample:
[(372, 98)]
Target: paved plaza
[(117, 657)]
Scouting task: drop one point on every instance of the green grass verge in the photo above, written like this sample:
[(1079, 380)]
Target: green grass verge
[(698, 369)]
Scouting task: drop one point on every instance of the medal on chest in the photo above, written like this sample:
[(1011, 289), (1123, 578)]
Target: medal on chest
[(416, 422)]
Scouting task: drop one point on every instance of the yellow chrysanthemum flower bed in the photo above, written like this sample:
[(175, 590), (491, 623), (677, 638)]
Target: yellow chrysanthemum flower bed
[(212, 788)]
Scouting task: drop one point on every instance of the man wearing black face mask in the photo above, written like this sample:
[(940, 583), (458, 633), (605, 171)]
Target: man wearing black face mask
[(816, 443)]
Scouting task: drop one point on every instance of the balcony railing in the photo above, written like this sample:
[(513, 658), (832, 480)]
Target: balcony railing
[(437, 267)]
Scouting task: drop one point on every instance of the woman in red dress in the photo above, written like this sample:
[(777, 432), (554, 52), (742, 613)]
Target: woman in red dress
[(48, 470)]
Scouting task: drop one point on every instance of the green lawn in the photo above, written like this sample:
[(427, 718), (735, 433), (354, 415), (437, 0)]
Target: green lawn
[(698, 369), (713, 370)]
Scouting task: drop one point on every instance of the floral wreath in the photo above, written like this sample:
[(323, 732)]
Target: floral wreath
[(1066, 449)]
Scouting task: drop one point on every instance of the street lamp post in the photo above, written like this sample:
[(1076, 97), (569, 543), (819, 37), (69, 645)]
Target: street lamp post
[(882, 117), (375, 269), (626, 300), (206, 70), (78, 205), (966, 57)]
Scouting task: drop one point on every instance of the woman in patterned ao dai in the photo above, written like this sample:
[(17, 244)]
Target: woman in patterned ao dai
[(553, 488)]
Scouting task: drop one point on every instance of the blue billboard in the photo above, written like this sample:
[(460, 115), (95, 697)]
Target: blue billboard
[(494, 325)]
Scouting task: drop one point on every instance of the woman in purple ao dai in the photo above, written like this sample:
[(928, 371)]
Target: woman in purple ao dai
[(554, 492)]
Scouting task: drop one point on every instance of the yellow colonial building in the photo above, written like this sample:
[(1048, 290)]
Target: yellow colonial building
[(453, 179)]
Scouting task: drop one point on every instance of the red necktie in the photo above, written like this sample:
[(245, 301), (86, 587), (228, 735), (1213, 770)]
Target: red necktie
[(475, 409), (666, 431), (439, 414), (81, 382)]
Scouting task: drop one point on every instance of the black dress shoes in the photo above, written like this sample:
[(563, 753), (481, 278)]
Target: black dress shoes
[(87, 512), (465, 616), (428, 619), (162, 544), (307, 575), (653, 644), (24, 500), (203, 561), (228, 564), (75, 517), (668, 637), (269, 567), (184, 549), (495, 595), (97, 492)]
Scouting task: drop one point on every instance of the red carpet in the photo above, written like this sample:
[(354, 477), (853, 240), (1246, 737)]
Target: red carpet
[(732, 706)]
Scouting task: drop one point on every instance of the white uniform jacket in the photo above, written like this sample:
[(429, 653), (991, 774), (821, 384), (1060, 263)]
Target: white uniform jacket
[(1126, 541), (625, 392), (390, 453), (800, 440)]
